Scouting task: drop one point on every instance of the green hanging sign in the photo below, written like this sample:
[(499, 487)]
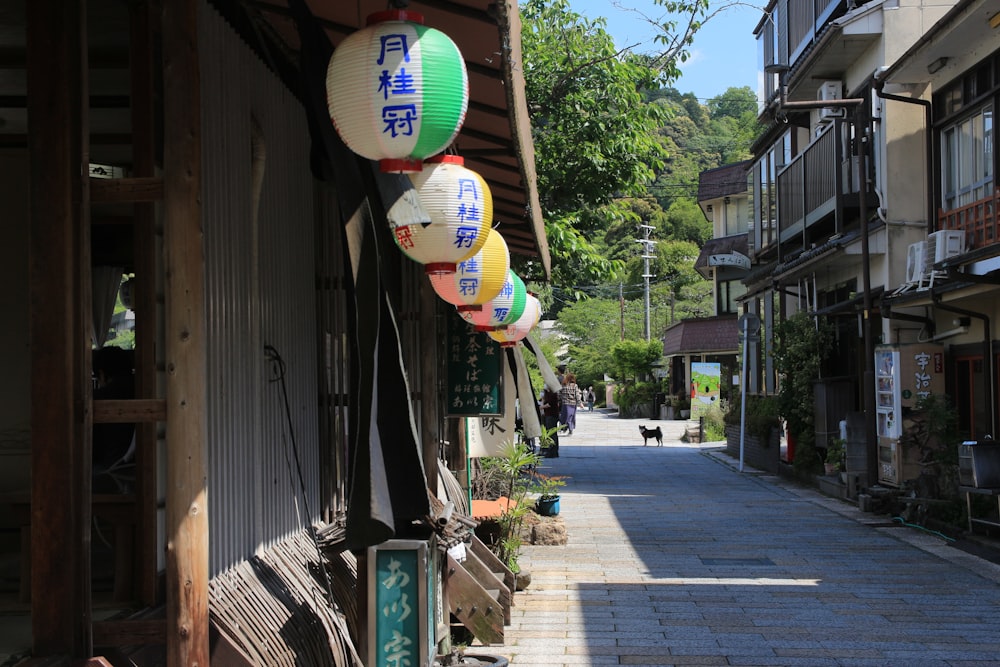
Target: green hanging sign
[(475, 362)]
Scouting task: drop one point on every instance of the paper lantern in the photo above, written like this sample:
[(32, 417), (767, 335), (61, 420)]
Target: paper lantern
[(501, 310), (397, 91), (477, 279), (460, 206), (512, 334)]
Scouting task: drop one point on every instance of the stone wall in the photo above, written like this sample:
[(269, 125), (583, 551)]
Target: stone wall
[(763, 455)]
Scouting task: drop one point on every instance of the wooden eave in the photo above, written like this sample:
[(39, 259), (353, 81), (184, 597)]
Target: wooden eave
[(495, 139)]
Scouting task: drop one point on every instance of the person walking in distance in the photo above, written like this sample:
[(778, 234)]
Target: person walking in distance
[(550, 420), (570, 397), (591, 398)]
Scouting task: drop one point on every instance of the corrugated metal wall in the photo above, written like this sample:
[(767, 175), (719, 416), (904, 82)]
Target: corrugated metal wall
[(260, 284)]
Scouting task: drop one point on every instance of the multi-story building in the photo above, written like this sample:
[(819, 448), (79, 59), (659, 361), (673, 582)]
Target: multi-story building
[(723, 198), (952, 77), (837, 187)]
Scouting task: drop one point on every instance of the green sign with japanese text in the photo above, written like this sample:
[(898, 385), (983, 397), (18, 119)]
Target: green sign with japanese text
[(474, 371), (401, 604)]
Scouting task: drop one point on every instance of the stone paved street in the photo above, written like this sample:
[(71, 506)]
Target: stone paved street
[(677, 558)]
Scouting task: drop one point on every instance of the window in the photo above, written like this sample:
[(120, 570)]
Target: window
[(728, 293), (967, 159)]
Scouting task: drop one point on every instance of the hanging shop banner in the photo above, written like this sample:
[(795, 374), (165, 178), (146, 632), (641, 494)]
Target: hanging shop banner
[(486, 435), (705, 384), (401, 625), (474, 377)]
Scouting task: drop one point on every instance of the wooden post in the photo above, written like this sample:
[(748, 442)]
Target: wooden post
[(59, 328), (430, 419), (187, 515), (143, 160)]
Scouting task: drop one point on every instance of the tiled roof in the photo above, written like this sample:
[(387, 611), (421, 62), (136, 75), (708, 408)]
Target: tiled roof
[(703, 334), (730, 179)]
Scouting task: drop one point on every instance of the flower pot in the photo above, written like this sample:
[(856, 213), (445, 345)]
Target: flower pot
[(831, 468), (547, 506)]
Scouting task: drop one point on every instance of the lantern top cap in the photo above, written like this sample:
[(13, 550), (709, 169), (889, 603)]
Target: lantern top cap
[(394, 15), (446, 158)]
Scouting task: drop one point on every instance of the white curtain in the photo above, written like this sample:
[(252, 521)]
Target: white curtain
[(105, 281)]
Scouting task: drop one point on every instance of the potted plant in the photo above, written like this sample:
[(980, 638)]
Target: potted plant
[(547, 487), (834, 456)]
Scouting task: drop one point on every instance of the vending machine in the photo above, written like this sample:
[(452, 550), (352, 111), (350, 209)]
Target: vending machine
[(903, 374)]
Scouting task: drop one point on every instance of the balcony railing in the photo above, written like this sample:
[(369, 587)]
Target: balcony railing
[(978, 220), (814, 185)]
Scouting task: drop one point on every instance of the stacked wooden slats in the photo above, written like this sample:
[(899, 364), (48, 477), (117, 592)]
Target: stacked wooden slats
[(275, 608)]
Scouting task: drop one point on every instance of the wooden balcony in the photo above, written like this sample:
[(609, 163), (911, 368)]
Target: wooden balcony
[(978, 220)]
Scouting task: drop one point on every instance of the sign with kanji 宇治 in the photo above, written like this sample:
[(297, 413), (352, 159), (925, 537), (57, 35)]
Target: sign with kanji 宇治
[(400, 611), (474, 371)]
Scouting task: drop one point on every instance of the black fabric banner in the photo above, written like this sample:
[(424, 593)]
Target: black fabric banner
[(387, 487)]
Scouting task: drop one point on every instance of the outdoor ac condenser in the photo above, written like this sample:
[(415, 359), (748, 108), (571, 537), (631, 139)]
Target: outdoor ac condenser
[(830, 90), (944, 244), (915, 262)]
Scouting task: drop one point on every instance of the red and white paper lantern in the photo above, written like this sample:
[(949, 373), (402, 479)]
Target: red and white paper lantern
[(460, 206), (512, 334)]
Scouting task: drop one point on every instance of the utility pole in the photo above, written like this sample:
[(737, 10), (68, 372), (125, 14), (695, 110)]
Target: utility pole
[(647, 254), (621, 310)]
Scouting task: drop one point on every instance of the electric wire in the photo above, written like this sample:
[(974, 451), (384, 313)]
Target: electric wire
[(278, 375)]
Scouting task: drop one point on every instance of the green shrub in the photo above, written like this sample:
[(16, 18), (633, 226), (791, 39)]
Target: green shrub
[(715, 421)]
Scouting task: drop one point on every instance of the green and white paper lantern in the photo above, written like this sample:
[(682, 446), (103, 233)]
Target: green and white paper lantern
[(397, 91)]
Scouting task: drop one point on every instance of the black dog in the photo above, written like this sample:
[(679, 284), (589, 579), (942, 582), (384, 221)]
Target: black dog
[(648, 433)]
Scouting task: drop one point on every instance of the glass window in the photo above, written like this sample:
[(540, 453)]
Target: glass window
[(967, 159), (728, 293)]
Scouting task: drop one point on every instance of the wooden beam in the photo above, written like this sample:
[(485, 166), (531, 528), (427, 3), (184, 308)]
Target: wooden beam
[(59, 322), (130, 411), (185, 332), (126, 190), (130, 632)]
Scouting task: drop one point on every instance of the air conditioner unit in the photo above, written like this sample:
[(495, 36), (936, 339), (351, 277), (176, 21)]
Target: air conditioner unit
[(944, 244), (939, 247), (916, 256), (829, 90)]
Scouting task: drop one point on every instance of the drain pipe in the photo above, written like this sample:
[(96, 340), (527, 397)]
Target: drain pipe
[(928, 140), (987, 355)]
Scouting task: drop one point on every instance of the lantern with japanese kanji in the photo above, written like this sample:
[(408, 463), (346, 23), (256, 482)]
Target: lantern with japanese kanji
[(512, 334), (397, 91), (501, 310), (460, 206), (477, 279)]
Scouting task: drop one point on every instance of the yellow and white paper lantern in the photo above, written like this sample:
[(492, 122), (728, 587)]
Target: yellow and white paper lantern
[(477, 279)]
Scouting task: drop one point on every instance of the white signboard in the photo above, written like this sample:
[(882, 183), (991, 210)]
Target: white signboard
[(486, 435), (734, 259)]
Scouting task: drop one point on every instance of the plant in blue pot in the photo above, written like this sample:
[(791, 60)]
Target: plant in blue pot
[(547, 487)]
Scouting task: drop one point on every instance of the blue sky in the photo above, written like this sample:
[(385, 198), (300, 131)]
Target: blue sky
[(724, 53)]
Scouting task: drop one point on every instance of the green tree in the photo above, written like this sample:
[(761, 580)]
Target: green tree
[(595, 138), (635, 358), (801, 343)]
